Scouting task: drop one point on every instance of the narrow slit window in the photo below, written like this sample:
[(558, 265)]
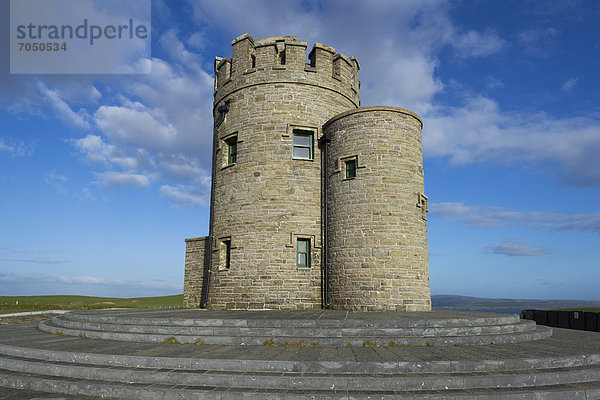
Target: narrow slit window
[(350, 169), (227, 248), (303, 253), (231, 150), (302, 145)]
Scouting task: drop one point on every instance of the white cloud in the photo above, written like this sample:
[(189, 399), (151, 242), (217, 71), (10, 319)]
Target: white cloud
[(538, 42), (56, 180), (511, 248), (110, 179), (478, 44), (569, 85), (35, 261), (396, 42), (494, 83), (186, 196), (63, 110), (97, 151), (15, 148), (22, 284), (480, 132), (180, 165), (492, 217), (197, 41), (136, 125)]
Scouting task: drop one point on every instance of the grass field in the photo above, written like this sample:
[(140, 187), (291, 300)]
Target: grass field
[(13, 304)]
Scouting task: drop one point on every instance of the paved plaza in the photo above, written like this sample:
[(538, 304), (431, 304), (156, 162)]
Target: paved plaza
[(571, 353)]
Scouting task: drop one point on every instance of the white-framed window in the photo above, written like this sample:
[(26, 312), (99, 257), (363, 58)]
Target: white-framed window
[(302, 144)]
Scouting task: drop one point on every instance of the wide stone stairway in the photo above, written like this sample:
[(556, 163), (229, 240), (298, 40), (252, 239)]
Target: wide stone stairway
[(198, 354)]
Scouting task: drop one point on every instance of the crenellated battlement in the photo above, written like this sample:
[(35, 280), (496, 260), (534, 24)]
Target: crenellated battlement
[(284, 59)]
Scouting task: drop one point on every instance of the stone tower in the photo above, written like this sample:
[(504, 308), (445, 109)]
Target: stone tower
[(315, 201), (377, 235)]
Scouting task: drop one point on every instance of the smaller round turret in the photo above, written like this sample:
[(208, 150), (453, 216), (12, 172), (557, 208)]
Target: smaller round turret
[(377, 243)]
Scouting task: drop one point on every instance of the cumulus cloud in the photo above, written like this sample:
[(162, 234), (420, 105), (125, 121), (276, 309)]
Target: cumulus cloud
[(492, 217), (136, 125), (481, 132), (397, 42), (510, 248), (97, 151), (158, 127)]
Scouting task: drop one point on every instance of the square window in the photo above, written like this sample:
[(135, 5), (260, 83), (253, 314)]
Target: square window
[(350, 169), (231, 150), (303, 253), (302, 144)]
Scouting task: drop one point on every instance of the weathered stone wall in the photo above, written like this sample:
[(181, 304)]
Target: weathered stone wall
[(377, 228), (266, 200), (195, 249)]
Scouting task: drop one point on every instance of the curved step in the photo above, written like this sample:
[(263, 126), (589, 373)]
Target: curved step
[(335, 330), (157, 392), (133, 382), (520, 326), (254, 319), (538, 333), (322, 367)]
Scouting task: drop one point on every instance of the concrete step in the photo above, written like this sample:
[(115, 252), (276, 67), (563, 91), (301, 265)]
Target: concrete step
[(288, 366), (295, 331), (254, 330), (154, 377), (262, 319), (538, 333), (166, 392)]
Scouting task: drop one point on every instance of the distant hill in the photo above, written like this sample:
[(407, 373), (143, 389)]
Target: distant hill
[(452, 302)]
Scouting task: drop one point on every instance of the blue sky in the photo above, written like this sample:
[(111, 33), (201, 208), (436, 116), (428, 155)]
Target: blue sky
[(103, 176)]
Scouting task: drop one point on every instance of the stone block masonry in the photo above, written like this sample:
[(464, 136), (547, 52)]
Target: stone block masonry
[(195, 250), (267, 242), (377, 233)]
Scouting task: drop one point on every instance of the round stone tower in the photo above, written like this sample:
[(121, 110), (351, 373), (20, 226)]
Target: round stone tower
[(266, 205), (376, 220)]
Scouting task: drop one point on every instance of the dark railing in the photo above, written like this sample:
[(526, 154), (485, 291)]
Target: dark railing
[(582, 320)]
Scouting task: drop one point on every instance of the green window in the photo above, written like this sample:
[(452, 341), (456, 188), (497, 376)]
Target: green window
[(227, 244), (350, 169), (302, 144), (303, 253), (231, 150)]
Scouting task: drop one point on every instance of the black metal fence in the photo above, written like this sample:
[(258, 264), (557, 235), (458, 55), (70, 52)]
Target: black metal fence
[(582, 320)]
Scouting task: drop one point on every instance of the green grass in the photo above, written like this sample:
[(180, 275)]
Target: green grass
[(14, 304)]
